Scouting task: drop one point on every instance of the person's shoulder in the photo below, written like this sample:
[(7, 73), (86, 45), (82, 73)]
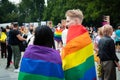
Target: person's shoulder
[(111, 39), (17, 31), (65, 30), (118, 31), (103, 38), (108, 39)]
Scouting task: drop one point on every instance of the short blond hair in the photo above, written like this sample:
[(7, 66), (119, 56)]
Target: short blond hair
[(107, 30), (75, 13), (100, 31)]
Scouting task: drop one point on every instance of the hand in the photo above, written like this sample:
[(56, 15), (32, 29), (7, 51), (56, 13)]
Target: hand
[(119, 68)]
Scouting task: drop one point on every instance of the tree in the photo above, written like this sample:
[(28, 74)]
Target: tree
[(93, 10), (8, 12), (31, 11)]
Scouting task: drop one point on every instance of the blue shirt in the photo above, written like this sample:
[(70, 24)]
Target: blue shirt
[(117, 32)]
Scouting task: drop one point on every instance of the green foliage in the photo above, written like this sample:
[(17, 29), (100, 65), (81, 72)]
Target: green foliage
[(93, 10), (7, 12), (35, 10), (31, 11), (26, 11)]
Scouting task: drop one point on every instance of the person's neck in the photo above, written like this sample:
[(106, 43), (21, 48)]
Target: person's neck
[(79, 23)]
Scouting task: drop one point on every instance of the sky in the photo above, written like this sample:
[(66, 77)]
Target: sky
[(15, 1), (18, 1)]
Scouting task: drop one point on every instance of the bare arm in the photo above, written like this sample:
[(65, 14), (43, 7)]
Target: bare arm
[(118, 65), (20, 37)]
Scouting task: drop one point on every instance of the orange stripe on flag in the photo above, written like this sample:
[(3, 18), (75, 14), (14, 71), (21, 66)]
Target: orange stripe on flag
[(76, 44)]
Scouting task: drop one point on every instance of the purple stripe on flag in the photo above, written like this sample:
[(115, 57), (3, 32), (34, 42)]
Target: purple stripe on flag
[(42, 53)]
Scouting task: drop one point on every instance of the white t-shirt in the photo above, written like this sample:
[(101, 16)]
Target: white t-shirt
[(64, 36)]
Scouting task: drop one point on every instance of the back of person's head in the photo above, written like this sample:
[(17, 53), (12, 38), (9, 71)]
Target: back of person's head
[(7, 27), (44, 36), (119, 27), (75, 13), (15, 25), (107, 30), (3, 29)]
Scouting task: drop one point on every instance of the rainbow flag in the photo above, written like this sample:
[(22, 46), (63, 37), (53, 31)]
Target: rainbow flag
[(77, 55), (57, 34), (41, 63)]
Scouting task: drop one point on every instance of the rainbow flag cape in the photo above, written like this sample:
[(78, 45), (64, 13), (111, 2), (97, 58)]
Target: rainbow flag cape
[(57, 35), (77, 55), (41, 63)]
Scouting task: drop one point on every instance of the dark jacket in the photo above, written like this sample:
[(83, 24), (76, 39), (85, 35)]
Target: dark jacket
[(107, 49), (13, 40)]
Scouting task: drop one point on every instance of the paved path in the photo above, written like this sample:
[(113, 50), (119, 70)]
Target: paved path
[(7, 74), (10, 75), (118, 72)]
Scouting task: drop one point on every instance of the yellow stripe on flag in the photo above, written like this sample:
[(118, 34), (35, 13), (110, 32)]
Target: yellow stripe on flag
[(78, 57)]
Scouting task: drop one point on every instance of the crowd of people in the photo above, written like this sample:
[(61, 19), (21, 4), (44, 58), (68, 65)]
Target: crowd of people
[(63, 52)]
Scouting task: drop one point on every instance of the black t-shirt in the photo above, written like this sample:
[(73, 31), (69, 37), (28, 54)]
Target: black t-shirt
[(13, 40)]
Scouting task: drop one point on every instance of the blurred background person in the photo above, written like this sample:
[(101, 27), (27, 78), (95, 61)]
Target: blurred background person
[(9, 49), (64, 32), (117, 38), (3, 38), (107, 54), (57, 36), (15, 38), (96, 49)]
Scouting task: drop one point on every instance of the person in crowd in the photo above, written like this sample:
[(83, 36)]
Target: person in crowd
[(24, 33), (30, 38), (91, 32), (3, 42), (15, 38), (117, 39), (113, 35), (40, 60), (57, 36), (96, 41), (50, 24), (77, 55), (64, 32), (64, 35), (107, 54), (31, 28), (9, 49)]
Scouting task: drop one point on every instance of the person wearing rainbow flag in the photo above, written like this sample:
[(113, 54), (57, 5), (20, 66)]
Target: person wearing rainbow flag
[(77, 55), (40, 60), (57, 36)]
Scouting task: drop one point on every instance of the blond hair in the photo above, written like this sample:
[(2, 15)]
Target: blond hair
[(107, 30), (75, 13), (100, 31)]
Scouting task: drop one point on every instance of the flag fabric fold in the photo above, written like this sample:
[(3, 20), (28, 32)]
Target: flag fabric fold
[(41, 63), (77, 55)]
